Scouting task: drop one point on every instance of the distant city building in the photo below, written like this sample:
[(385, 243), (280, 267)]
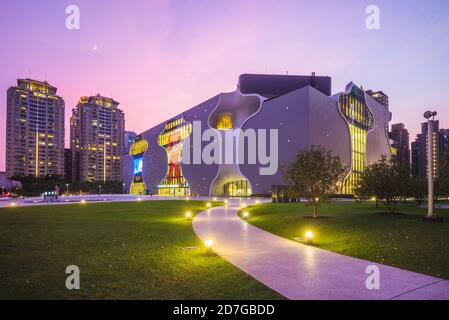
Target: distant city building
[(34, 130), (68, 161), (128, 141), (419, 149), (380, 97), (96, 139), (415, 151), (400, 142), (444, 141)]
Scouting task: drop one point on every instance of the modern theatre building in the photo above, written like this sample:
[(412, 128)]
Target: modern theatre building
[(287, 113)]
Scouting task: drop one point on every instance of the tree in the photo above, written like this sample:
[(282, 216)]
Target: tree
[(384, 179), (93, 187), (418, 189), (33, 186), (314, 174), (403, 178)]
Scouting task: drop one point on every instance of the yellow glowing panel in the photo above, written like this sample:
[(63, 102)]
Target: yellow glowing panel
[(138, 147), (359, 120), (225, 122)]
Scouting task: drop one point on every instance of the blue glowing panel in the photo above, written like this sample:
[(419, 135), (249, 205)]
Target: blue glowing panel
[(138, 165)]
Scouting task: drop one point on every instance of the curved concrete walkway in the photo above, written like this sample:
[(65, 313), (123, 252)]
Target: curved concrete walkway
[(299, 271)]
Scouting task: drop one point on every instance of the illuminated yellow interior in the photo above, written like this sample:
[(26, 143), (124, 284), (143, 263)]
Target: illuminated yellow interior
[(225, 122), (138, 147), (138, 188), (172, 133), (174, 184), (358, 158), (239, 188), (359, 120)]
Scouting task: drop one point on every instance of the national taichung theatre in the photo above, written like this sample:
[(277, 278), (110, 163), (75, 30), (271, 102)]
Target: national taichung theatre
[(271, 118)]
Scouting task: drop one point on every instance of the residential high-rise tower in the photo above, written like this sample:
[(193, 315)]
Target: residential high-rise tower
[(34, 130), (419, 150), (400, 142), (96, 139)]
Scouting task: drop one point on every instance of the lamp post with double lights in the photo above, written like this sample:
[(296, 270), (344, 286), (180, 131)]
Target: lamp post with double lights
[(430, 116)]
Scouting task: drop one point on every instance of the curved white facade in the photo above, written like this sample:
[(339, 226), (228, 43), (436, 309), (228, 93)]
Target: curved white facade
[(302, 112)]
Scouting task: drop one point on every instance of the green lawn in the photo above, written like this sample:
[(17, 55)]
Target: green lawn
[(361, 230), (132, 250)]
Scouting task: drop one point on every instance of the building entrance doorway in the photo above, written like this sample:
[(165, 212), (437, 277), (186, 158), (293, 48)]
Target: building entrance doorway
[(239, 188)]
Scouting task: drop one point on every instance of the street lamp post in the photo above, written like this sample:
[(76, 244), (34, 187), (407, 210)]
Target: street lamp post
[(99, 190), (124, 188), (67, 188), (430, 116)]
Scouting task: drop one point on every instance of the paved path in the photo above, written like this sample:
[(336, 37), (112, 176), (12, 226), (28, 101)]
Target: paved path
[(75, 199), (299, 271)]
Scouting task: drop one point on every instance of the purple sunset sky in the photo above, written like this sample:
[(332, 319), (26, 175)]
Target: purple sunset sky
[(158, 58)]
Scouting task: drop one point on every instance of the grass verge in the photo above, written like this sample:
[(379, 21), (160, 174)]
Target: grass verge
[(363, 231), (125, 250)]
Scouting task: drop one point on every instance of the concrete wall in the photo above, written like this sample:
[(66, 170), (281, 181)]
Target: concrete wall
[(304, 117), (200, 176)]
